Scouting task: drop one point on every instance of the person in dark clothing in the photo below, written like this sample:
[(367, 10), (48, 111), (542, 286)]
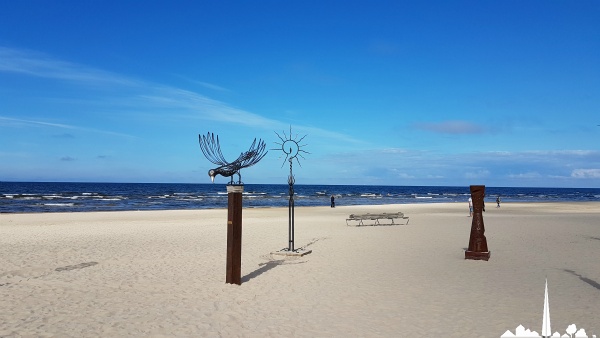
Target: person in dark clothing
[(332, 201)]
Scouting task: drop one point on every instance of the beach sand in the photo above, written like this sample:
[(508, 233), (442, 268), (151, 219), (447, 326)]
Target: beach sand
[(162, 273)]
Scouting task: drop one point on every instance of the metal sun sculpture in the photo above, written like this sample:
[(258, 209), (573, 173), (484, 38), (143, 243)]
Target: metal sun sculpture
[(292, 148), (211, 149)]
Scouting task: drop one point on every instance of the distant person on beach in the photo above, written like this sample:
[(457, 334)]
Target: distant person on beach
[(470, 207), (332, 201), (498, 201)]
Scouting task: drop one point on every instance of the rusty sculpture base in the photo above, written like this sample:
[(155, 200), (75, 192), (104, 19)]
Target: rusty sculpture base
[(477, 255), (234, 234), (478, 248)]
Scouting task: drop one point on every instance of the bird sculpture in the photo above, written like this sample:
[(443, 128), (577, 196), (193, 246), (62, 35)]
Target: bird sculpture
[(211, 149)]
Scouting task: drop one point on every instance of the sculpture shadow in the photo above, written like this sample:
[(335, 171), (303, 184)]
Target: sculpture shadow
[(587, 280), (264, 267)]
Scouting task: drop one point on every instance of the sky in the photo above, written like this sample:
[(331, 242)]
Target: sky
[(435, 93)]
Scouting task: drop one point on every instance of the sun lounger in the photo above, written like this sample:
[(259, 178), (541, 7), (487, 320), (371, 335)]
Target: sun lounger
[(375, 218)]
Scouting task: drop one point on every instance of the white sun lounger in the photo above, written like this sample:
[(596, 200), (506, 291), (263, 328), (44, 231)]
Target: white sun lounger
[(376, 218)]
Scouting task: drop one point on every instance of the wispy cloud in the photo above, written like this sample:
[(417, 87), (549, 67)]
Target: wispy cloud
[(67, 159), (207, 85), (451, 127), (211, 86), (197, 106), (40, 65), (204, 84), (14, 121), (153, 98), (190, 105), (9, 120)]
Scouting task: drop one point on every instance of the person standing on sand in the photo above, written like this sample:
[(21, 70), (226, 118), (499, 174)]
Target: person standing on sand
[(498, 201), (332, 201), (470, 207)]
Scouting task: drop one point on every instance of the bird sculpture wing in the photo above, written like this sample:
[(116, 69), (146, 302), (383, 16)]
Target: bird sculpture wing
[(212, 149), (254, 154)]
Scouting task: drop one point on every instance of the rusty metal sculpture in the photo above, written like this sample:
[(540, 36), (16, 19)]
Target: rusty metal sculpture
[(478, 248), (211, 149)]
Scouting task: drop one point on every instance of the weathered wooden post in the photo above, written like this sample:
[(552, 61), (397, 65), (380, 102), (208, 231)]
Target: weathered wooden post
[(211, 149), (477, 242), (234, 233)]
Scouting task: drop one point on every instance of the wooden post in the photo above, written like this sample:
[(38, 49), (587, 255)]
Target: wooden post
[(234, 234), (477, 242)]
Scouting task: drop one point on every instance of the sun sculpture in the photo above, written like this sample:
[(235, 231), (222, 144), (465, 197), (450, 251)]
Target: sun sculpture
[(292, 148)]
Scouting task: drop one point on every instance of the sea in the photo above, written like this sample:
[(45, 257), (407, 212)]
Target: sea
[(43, 197)]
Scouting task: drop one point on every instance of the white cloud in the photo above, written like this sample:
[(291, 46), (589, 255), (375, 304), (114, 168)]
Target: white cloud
[(401, 174), (585, 173), (394, 151), (526, 175), (478, 174)]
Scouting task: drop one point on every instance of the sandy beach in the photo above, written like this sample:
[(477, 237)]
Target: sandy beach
[(162, 273)]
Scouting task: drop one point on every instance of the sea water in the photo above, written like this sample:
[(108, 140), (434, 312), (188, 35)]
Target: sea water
[(67, 197)]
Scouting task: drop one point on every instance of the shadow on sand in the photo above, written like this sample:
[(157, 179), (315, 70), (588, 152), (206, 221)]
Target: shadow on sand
[(587, 280), (264, 267)]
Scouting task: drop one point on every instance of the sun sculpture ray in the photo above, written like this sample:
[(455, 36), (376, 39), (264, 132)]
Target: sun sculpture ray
[(211, 148)]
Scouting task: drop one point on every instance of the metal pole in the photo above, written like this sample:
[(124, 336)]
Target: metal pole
[(290, 240), (234, 234), (291, 209), (292, 199)]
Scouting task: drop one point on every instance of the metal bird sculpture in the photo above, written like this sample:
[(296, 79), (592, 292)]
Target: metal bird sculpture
[(211, 149)]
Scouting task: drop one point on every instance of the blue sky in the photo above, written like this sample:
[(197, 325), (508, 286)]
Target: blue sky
[(501, 93)]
